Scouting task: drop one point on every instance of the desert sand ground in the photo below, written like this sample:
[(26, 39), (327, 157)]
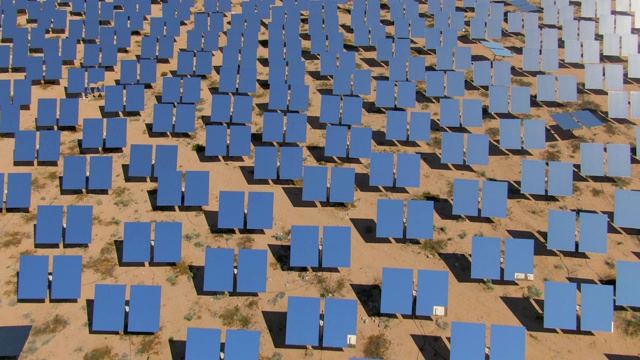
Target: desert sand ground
[(69, 337)]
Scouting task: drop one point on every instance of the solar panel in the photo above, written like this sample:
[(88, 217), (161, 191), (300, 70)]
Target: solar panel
[(252, 271), (567, 88), (242, 107), (266, 162), (596, 307), (67, 277), (336, 141), (592, 159), (231, 210), (432, 293), (296, 130), (435, 83), (291, 162), (485, 256), (100, 172), (33, 277), (482, 73), (408, 170), (49, 224), (390, 218), (499, 99), (450, 112), (381, 169), (478, 149), (534, 134), (202, 343), (472, 113), (397, 291), (242, 344), (560, 305), (25, 146), (494, 199), (510, 134), (167, 247), (619, 160), (520, 100), (49, 148), (360, 142), (406, 94), (518, 259), (533, 177), (108, 307), (452, 148), (419, 219), (116, 136), (218, 269), (340, 322), (196, 192), (618, 104), (305, 243), (508, 342), (144, 308), (314, 186), (342, 188), (397, 125), (18, 191), (593, 232), (260, 210), (137, 242), (473, 335), (336, 247), (141, 159), (465, 197), (303, 315), (166, 161), (627, 286), (560, 178)]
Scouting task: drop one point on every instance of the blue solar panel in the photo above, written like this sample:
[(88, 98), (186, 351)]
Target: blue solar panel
[(231, 210), (25, 146), (162, 118), (273, 127), (499, 99), (196, 186), (137, 242), (342, 188), (340, 321), (518, 260), (508, 342), (533, 177), (67, 277), (305, 242), (381, 169), (166, 161), (560, 305), (221, 108), (314, 186), (586, 118), (242, 344), (397, 291), (408, 170), (419, 219), (252, 271), (562, 229), (352, 110), (478, 149), (510, 134), (116, 133), (242, 107), (240, 140), (49, 148), (296, 130), (47, 110), (534, 134), (626, 212), (114, 98), (278, 96), (597, 307), (619, 160), (432, 293), (185, 118), (202, 343), (18, 191), (336, 247), (362, 82), (592, 159), (218, 269), (473, 335), (33, 277), (450, 112), (216, 140), (78, 229), (560, 178), (465, 197), (49, 224), (420, 126), (593, 232), (291, 162), (336, 141), (330, 109), (627, 284), (92, 133), (260, 210), (100, 172), (303, 316), (144, 308), (385, 94), (485, 257), (566, 121), (494, 199), (390, 218), (141, 159), (266, 162), (108, 308), (520, 99), (452, 148), (167, 246), (406, 94)]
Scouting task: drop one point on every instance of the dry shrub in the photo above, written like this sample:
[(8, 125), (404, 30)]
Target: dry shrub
[(149, 345), (549, 155), (245, 242), (235, 317), (329, 287), (377, 346), (434, 247), (52, 326), (12, 238), (101, 353), (103, 265)]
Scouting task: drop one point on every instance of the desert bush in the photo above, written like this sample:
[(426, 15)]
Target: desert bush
[(533, 292), (632, 326), (433, 247), (149, 345), (245, 242), (329, 287), (52, 326), (377, 346), (235, 317), (101, 353)]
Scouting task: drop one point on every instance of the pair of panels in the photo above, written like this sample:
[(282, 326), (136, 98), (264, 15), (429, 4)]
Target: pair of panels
[(565, 90), (50, 226), (82, 80), (534, 178), (624, 104), (74, 173), (198, 63), (388, 97), (275, 129), (204, 343), (519, 102), (563, 231), (386, 48), (467, 115), (349, 142), (516, 134), (356, 83), (94, 136), (432, 294), (611, 79), (592, 162), (576, 120), (109, 308), (453, 149), (157, 47), (303, 327), (439, 83), (536, 59), (466, 195), (165, 122), (203, 42), (18, 190), (114, 96), (331, 111), (259, 213), (141, 71), (32, 145), (341, 188), (400, 128), (267, 165), (167, 246), (288, 97), (251, 271), (141, 164), (342, 61), (560, 306), (181, 89), (334, 252), (66, 279), (49, 116), (468, 342), (486, 258), (232, 140), (492, 73), (405, 173), (390, 219), (196, 189), (236, 77)]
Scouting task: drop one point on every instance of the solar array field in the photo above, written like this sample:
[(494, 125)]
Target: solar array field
[(321, 179)]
